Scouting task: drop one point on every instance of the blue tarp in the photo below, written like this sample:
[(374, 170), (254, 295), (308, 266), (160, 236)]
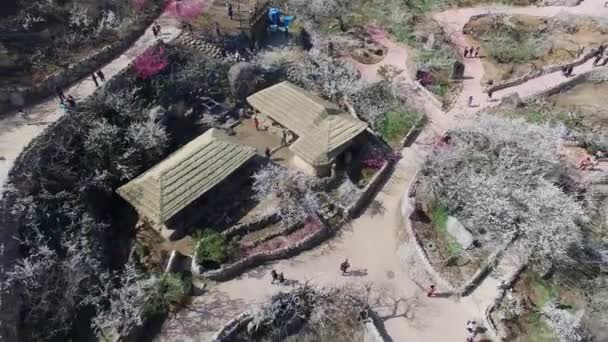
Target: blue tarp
[(277, 18)]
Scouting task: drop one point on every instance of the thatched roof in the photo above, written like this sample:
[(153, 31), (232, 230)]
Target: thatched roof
[(323, 129), (185, 175)]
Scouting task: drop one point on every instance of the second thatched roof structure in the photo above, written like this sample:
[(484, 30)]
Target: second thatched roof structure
[(323, 129)]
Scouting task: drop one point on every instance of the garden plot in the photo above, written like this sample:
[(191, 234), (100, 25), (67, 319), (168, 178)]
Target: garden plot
[(513, 45)]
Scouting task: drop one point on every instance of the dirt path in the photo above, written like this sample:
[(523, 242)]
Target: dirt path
[(16, 132), (375, 242), (452, 22)]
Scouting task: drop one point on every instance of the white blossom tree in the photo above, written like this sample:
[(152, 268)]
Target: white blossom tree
[(287, 193), (565, 325), (502, 177)]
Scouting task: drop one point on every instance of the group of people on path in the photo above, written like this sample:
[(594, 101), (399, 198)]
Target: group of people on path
[(599, 56), (277, 277), (471, 52), (69, 102), (98, 75)]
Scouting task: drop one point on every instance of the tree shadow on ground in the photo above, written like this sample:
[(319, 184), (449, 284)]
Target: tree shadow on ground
[(376, 208)]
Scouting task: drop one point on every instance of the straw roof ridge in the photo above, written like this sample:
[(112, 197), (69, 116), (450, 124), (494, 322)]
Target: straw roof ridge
[(185, 175), (322, 127)]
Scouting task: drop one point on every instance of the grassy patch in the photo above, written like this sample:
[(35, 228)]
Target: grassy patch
[(506, 49), (538, 330), (439, 216), (545, 112), (542, 291), (171, 289), (213, 247), (397, 123)]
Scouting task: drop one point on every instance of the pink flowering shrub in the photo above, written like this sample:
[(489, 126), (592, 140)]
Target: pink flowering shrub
[(186, 10), (139, 4), (150, 63), (375, 32), (311, 225), (374, 163)]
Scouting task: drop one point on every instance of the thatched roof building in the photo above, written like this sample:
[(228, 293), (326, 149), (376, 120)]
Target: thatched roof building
[(188, 173), (324, 130)]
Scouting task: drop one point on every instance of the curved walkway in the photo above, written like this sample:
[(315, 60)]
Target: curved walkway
[(452, 22), (16, 132), (375, 242)]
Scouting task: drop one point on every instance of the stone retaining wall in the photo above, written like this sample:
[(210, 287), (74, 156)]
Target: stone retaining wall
[(12, 96), (248, 227), (430, 95), (227, 332), (238, 267), (484, 269), (411, 134), (370, 190), (545, 70), (489, 321), (462, 290), (444, 284), (596, 75)]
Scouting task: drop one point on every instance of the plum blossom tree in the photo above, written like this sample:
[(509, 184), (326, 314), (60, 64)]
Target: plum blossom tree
[(186, 10), (502, 178), (150, 63), (139, 4), (288, 193), (565, 325)]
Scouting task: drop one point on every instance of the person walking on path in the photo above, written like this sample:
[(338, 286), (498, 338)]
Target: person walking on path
[(471, 326), (95, 80), (476, 51), (71, 101), (22, 113), (60, 94), (470, 101), (430, 292), (157, 25), (101, 76), (154, 31), (466, 52), (275, 276), (284, 138), (344, 267), (281, 278), (217, 29), (267, 153), (490, 95), (597, 59), (230, 11), (256, 122)]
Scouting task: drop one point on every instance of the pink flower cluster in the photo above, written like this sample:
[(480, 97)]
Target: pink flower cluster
[(186, 10), (139, 4), (150, 63), (311, 225), (374, 163), (375, 32)]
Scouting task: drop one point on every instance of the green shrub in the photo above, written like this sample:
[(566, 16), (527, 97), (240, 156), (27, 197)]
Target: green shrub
[(506, 49), (171, 288), (439, 216), (213, 247), (397, 123)]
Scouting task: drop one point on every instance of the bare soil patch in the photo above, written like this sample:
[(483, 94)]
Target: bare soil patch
[(514, 45)]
